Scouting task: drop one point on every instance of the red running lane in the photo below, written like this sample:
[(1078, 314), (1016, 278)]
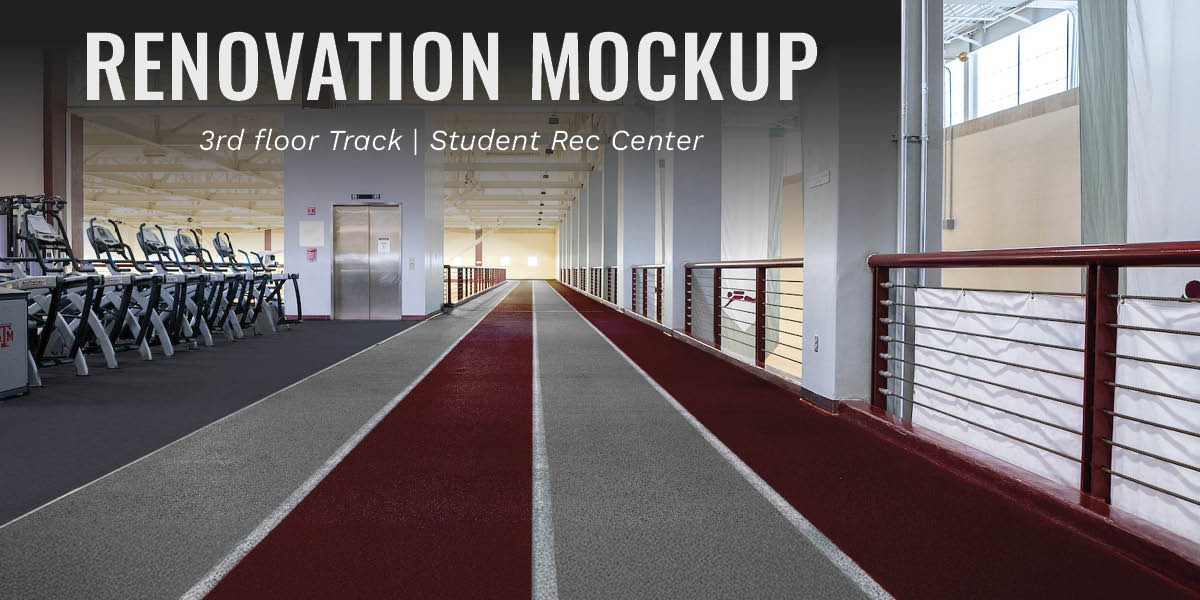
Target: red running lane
[(919, 530), (435, 502)]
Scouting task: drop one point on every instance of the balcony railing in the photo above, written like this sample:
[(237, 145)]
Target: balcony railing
[(600, 282), (463, 283), (1095, 387), (646, 289), (751, 308)]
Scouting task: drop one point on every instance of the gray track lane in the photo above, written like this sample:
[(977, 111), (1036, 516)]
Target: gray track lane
[(643, 506), (154, 528)]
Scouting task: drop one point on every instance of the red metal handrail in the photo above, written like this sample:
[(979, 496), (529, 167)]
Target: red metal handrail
[(1102, 264), (1156, 254)]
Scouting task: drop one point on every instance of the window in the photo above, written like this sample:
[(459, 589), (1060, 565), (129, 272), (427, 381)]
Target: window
[(533, 261), (998, 75), (1045, 56), (955, 106), (505, 261), (1028, 65)]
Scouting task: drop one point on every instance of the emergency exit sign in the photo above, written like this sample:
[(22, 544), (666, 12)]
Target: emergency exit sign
[(311, 211)]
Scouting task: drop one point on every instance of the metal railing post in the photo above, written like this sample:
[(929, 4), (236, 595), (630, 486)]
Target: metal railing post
[(645, 291), (760, 316), (448, 290), (716, 307), (633, 284), (460, 284), (881, 277), (658, 291), (1100, 367), (687, 299)]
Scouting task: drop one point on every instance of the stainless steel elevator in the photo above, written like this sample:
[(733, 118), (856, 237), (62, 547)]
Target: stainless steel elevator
[(366, 262)]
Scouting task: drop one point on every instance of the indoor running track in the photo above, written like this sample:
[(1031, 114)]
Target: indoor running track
[(535, 442)]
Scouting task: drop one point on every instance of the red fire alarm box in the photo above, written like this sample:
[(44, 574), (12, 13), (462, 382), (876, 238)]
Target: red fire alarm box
[(310, 211), (312, 254)]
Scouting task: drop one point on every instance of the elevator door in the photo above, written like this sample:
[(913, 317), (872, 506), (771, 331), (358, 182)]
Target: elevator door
[(366, 262)]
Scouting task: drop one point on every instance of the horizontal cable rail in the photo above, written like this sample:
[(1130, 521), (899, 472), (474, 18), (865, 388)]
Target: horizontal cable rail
[(985, 381), (1016, 336), (462, 283), (755, 304), (989, 336)]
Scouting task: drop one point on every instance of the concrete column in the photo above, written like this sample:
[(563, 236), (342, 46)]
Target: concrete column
[(478, 248), (611, 191), (849, 116), (595, 244), (693, 210), (581, 222), (635, 202)]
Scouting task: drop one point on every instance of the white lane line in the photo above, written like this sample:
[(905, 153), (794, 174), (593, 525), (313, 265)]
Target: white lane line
[(545, 572), (221, 420), (210, 580), (835, 555)]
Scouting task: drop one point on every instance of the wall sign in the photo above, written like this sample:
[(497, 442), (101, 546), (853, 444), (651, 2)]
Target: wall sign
[(312, 234)]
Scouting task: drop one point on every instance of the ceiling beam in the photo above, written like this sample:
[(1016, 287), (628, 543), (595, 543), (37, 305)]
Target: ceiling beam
[(513, 185), (515, 198), (122, 183), (114, 126), (530, 167), (167, 169)]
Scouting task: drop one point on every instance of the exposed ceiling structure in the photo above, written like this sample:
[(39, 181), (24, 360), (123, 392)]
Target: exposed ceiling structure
[(515, 188), (963, 19), (149, 168)]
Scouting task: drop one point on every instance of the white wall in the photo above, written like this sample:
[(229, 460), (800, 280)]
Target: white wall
[(1016, 183), (323, 178), (850, 199)]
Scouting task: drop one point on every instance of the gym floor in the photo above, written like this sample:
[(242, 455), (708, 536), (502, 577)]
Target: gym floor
[(531, 439)]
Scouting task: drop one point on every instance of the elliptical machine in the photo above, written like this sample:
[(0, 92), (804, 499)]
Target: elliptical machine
[(225, 286), (185, 287), (250, 302), (273, 295), (63, 323), (136, 312)]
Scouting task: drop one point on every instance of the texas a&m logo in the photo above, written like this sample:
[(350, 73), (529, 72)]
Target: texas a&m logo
[(6, 334)]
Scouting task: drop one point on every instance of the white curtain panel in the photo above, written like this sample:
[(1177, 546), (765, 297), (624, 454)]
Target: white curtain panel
[(958, 385), (745, 220), (1164, 124)]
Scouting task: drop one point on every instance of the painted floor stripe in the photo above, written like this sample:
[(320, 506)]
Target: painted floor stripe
[(545, 572), (843, 562), (209, 581)]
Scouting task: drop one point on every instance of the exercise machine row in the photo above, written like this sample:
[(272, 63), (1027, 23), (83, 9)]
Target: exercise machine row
[(175, 297)]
